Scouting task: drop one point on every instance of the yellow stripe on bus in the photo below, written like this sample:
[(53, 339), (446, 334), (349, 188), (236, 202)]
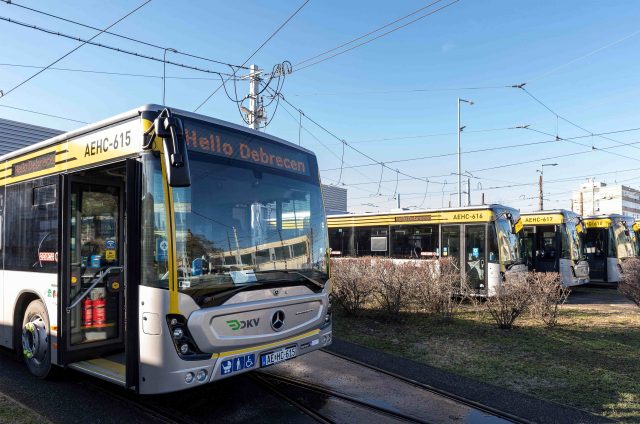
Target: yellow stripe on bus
[(542, 219), (597, 223), (266, 346), (171, 241), (483, 215)]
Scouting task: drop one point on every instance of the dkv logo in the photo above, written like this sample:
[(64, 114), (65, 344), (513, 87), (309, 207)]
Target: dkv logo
[(235, 324)]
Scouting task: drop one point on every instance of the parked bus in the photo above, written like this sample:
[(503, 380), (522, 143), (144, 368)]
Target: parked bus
[(609, 240), (553, 243), (161, 250), (486, 241)]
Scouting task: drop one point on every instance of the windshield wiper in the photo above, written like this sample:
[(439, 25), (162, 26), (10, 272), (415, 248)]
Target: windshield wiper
[(311, 280)]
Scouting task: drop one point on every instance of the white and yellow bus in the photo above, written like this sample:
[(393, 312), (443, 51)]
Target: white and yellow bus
[(553, 243), (609, 240), (485, 241), (161, 250)]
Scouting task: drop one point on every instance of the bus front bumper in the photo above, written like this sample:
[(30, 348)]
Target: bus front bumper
[(235, 362)]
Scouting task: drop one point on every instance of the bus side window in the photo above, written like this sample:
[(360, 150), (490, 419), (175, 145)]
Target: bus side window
[(1, 223), (492, 255), (31, 237)]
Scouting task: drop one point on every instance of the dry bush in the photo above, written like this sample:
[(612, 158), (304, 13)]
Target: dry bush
[(629, 284), (511, 299), (548, 294), (439, 289), (351, 279), (392, 285)]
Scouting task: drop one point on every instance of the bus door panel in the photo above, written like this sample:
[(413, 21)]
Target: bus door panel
[(475, 256), (546, 251), (94, 292), (450, 245), (596, 247)]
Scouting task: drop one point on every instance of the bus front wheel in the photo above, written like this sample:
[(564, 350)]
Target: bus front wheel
[(35, 340)]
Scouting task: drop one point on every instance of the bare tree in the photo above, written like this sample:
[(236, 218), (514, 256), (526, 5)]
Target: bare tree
[(511, 299), (629, 284), (548, 295), (352, 283)]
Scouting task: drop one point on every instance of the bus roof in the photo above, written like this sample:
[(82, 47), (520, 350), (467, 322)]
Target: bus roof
[(423, 216), (134, 113)]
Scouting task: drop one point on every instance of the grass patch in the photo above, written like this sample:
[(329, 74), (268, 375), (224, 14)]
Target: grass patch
[(589, 360), (12, 412)]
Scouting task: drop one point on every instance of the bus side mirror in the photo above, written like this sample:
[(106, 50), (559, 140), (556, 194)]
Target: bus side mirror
[(174, 148)]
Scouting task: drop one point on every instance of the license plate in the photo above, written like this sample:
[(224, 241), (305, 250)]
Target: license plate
[(277, 356)]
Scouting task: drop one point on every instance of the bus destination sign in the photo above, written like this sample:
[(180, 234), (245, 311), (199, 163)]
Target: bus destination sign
[(39, 163), (217, 141)]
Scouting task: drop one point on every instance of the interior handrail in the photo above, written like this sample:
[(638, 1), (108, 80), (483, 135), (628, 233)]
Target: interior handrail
[(95, 282)]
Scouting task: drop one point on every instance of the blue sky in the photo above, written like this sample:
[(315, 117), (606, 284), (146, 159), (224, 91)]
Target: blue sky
[(364, 95)]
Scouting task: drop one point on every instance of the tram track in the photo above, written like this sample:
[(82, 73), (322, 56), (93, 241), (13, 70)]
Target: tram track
[(154, 412), (273, 383), (443, 393)]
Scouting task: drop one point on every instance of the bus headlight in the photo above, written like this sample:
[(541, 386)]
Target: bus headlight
[(182, 339), (327, 316), (188, 378), (201, 375), (178, 333)]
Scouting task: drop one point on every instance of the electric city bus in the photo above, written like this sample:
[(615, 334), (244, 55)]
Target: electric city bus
[(161, 250), (553, 243), (609, 240), (485, 241)]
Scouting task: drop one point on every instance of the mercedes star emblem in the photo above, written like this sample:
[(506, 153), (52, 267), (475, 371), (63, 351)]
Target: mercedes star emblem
[(277, 320)]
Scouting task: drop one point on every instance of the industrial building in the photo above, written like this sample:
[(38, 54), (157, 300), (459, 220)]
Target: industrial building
[(598, 198), (15, 135)]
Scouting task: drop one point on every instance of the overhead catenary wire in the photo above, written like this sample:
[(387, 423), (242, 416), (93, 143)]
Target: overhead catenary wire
[(399, 91), (273, 34), (331, 151), (316, 123), (124, 37), (5, 93), (43, 114), (488, 149), (584, 56), (92, 71), (113, 48), (313, 63), (353, 40), (558, 116)]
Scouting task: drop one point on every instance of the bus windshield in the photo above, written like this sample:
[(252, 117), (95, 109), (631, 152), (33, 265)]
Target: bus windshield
[(625, 247), (511, 252), (237, 226), (575, 241)]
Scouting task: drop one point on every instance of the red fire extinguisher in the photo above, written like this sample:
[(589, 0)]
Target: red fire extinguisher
[(99, 312), (87, 313)]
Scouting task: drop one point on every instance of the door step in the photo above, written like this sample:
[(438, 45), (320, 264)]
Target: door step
[(110, 368)]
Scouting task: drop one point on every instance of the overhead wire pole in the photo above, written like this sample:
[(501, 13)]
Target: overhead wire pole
[(253, 54), (459, 152), (74, 49)]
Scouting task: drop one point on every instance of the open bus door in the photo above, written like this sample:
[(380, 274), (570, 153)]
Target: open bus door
[(94, 292)]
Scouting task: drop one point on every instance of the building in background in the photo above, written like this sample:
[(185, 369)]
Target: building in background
[(15, 135), (335, 199), (597, 198)]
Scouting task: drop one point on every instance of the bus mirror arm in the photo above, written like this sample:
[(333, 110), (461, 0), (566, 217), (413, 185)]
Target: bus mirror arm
[(174, 147)]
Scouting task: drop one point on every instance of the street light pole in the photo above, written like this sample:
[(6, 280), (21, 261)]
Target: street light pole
[(540, 195), (459, 156)]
